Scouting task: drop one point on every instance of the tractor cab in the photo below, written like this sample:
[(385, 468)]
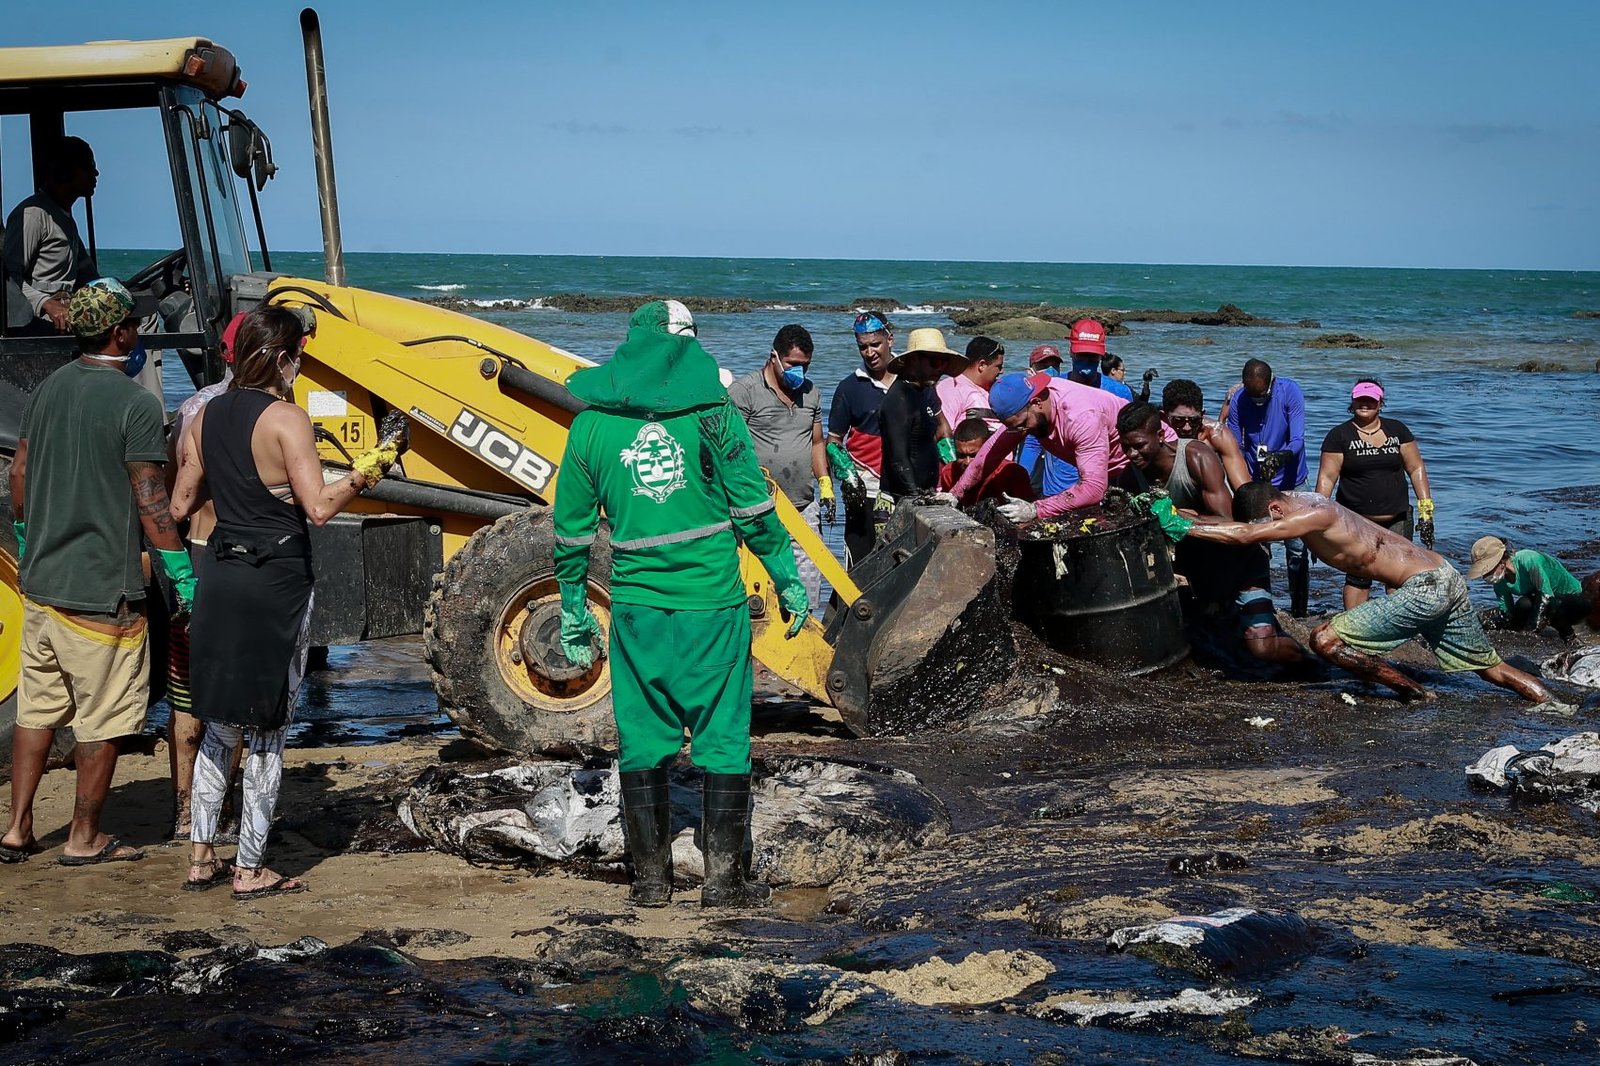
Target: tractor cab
[(139, 105)]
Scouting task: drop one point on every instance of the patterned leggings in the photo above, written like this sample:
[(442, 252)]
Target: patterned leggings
[(263, 770)]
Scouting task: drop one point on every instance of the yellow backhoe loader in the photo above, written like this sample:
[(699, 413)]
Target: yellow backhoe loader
[(458, 546)]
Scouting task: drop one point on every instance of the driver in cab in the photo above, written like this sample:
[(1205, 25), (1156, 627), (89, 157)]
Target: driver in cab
[(44, 256)]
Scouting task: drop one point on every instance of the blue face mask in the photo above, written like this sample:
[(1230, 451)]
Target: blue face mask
[(794, 378), (135, 359), (1053, 371)]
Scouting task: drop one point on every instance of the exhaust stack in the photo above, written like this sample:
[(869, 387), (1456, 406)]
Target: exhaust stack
[(322, 146)]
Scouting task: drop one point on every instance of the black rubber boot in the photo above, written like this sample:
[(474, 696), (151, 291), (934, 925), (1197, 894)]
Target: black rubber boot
[(647, 826), (724, 833)]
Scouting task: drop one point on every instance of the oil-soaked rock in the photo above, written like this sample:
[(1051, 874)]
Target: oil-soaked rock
[(1209, 863), (1126, 1009), (766, 996), (422, 938), (814, 820), (1341, 340), (386, 835), (1330, 1046), (188, 940), (368, 956), (591, 950), (99, 970), (1229, 943), (27, 1008)]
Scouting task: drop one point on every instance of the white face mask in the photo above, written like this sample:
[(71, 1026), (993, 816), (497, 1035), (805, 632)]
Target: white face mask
[(293, 375)]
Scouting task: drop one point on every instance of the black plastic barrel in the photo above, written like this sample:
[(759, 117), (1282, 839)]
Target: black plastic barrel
[(1108, 597)]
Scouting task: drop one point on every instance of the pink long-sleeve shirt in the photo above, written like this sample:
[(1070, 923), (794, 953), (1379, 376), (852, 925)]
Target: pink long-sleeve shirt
[(1083, 431), (960, 394)]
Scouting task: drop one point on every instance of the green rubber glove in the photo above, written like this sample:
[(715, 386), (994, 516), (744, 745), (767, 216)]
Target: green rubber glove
[(1173, 524), (798, 604), (578, 625), (791, 590), (178, 568), (840, 465), (21, 530), (947, 449)]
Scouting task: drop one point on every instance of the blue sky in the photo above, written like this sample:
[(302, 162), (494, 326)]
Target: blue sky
[(1457, 134)]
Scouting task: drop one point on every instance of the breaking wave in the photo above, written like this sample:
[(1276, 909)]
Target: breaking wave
[(536, 304)]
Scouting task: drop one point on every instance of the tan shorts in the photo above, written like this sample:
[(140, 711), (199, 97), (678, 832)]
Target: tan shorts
[(89, 671)]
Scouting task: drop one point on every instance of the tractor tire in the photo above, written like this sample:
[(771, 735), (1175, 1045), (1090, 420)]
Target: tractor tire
[(499, 584)]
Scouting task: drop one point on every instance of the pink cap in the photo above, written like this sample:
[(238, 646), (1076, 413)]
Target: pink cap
[(1367, 390)]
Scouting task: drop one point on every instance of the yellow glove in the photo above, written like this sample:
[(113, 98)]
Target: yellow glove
[(827, 506), (376, 463), (1425, 510)]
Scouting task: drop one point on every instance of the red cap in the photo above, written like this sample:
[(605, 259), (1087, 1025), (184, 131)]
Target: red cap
[(1088, 337), (1043, 352), (228, 333)]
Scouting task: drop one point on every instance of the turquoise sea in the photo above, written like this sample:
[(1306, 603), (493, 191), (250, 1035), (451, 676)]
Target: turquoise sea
[(1509, 452)]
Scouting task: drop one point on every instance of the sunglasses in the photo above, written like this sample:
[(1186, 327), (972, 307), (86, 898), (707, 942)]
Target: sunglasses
[(1185, 420)]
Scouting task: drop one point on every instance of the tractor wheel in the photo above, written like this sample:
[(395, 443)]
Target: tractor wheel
[(492, 637)]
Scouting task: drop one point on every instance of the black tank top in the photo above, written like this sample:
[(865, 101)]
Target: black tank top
[(243, 503)]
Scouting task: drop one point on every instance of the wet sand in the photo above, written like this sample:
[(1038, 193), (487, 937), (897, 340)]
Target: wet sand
[(1349, 808)]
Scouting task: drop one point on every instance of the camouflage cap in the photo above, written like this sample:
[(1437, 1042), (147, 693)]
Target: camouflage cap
[(98, 306)]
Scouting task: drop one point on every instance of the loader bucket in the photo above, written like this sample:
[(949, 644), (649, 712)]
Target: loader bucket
[(930, 632)]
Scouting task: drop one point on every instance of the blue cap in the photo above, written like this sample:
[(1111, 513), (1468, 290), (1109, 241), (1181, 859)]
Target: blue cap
[(1012, 392), (871, 322)]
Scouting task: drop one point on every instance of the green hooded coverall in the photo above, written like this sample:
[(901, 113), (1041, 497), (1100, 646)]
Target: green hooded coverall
[(671, 463)]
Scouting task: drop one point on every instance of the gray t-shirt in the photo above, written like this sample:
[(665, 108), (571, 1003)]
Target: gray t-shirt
[(84, 424), (44, 254), (782, 431)]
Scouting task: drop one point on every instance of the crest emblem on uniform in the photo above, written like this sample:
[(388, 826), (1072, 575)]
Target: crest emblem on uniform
[(655, 459)]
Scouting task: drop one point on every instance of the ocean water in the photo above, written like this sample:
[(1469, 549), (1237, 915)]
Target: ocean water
[(1508, 452)]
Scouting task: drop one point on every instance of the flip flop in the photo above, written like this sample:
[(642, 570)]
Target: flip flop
[(10, 853), (105, 854), (277, 888), (220, 872)]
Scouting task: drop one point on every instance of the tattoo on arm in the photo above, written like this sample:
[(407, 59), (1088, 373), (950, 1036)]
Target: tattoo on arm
[(150, 494)]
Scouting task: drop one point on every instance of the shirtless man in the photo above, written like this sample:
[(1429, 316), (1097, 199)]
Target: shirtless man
[(1429, 598), (1220, 576)]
